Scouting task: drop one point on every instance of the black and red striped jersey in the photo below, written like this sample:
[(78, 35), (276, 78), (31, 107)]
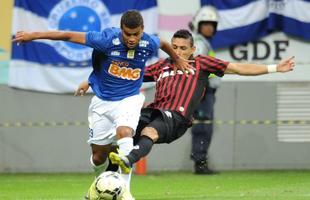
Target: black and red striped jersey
[(179, 92)]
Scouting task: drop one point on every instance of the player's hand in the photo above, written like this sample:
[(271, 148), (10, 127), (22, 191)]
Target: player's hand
[(23, 36), (286, 65), (82, 89), (183, 65)]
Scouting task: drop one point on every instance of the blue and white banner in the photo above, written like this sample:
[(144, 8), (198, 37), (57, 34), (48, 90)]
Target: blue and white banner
[(247, 20), (57, 66)]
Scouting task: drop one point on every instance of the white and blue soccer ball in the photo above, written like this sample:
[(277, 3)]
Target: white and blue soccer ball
[(110, 186)]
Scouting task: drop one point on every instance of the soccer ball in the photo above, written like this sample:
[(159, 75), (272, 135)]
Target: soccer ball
[(110, 186)]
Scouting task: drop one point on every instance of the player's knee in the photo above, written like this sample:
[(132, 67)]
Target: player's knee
[(124, 131), (98, 159), (151, 133)]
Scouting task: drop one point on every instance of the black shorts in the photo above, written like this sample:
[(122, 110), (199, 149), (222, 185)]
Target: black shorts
[(170, 125)]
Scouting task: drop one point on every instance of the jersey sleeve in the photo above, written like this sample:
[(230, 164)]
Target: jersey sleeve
[(98, 40), (155, 43), (212, 65), (151, 72)]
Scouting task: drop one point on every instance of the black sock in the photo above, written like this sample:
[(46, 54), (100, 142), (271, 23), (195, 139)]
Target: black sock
[(112, 167), (144, 146)]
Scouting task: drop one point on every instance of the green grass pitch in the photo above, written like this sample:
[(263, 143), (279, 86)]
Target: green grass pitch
[(241, 185)]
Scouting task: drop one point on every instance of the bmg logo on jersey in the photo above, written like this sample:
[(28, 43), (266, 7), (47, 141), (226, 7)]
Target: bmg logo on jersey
[(121, 70), (77, 15)]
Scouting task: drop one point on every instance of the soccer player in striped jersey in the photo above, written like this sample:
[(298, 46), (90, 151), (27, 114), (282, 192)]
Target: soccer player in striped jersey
[(178, 95)]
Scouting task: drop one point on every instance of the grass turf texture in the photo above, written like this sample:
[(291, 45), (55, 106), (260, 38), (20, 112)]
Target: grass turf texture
[(244, 185)]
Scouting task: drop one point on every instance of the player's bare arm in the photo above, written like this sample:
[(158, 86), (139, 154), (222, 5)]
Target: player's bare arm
[(181, 63), (75, 37), (82, 89), (245, 69)]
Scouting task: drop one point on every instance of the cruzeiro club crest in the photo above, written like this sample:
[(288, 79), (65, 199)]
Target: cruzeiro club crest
[(77, 15)]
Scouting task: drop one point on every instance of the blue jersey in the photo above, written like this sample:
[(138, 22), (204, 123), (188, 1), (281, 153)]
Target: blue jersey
[(118, 71)]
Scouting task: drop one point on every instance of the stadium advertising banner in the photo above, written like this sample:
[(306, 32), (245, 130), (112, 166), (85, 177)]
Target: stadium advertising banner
[(5, 38), (57, 66), (265, 32), (277, 28), (269, 50), (262, 31)]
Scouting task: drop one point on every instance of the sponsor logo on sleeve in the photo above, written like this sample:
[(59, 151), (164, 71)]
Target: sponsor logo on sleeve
[(116, 41), (144, 43)]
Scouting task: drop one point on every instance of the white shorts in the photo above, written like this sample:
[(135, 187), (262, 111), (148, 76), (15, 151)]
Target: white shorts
[(105, 116)]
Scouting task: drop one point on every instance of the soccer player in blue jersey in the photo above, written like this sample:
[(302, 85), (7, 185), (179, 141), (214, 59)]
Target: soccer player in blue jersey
[(119, 59)]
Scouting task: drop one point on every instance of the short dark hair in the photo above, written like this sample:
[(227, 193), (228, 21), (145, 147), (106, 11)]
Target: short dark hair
[(132, 19), (183, 33)]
